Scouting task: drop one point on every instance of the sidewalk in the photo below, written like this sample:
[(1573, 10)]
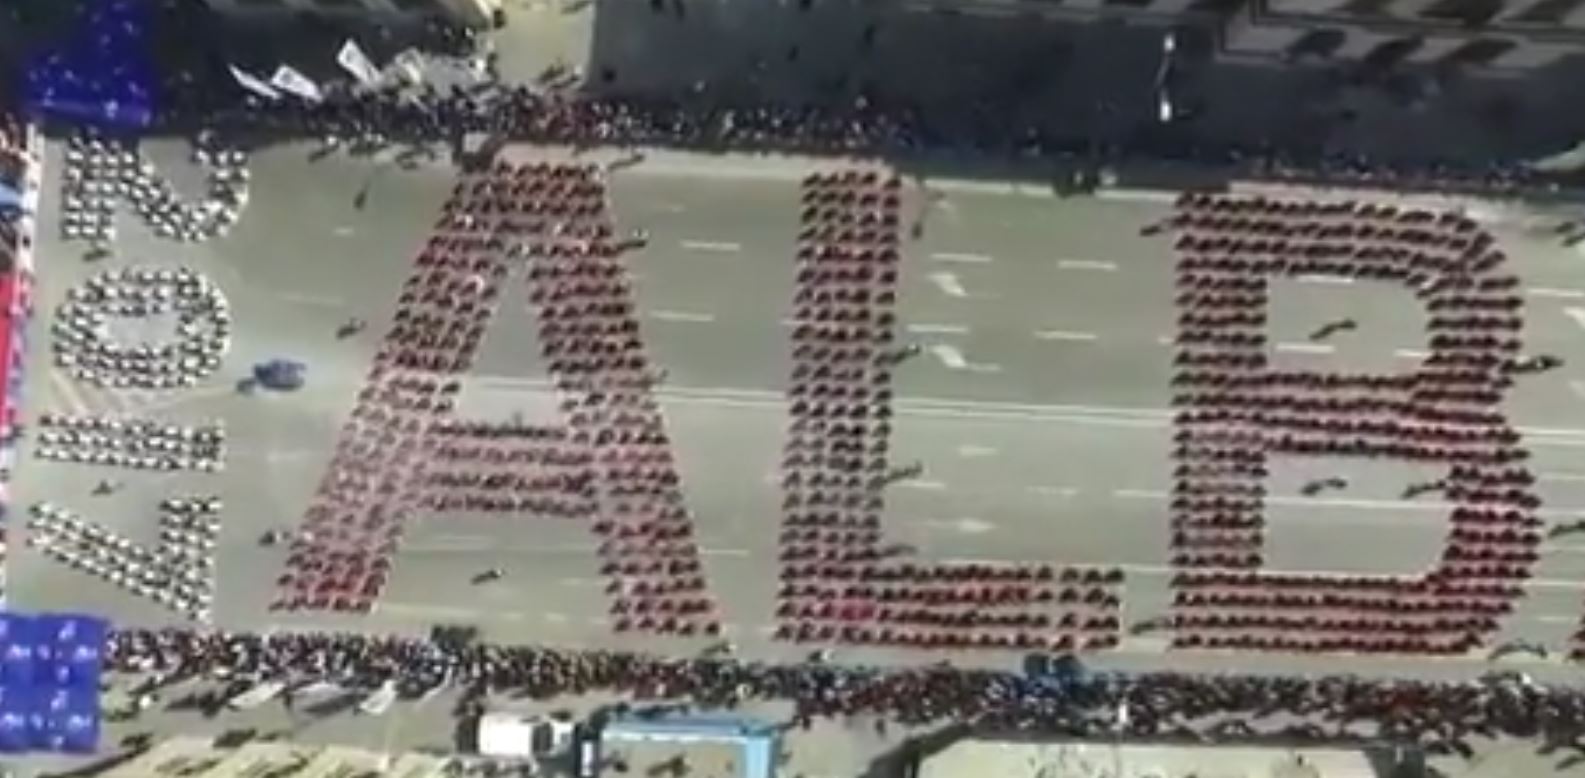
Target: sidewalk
[(542, 33)]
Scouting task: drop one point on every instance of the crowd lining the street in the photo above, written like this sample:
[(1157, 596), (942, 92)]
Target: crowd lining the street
[(1441, 716), (1216, 528)]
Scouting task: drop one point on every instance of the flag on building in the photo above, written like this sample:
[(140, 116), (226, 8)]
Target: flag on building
[(254, 84), (354, 61), (289, 80)]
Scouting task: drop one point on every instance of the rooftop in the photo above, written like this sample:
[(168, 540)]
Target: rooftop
[(1095, 759)]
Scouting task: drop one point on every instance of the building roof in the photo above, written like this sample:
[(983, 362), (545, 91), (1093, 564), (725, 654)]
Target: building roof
[(1094, 759)]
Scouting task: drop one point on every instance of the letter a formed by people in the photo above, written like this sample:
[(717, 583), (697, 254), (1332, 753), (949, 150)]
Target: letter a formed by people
[(540, 231)]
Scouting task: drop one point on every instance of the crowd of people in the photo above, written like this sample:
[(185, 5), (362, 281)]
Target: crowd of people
[(403, 451), (87, 349), (102, 170), (400, 454), (178, 573), (862, 125), (838, 581), (138, 444), (15, 161), (1441, 716), (1235, 409)]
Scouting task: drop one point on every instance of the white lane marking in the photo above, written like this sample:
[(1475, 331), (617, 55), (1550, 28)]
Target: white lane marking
[(1055, 491), (1165, 570), (343, 232), (1305, 348), (1557, 294), (972, 409), (1065, 335), (966, 526), (400, 609), (712, 246), (1139, 494), (1411, 353), (495, 545), (950, 357), (1561, 477), (1576, 314), (1165, 340), (929, 486), (966, 259), (314, 299), (948, 284), (1323, 279), (683, 316), (1135, 195), (555, 618), (1086, 264), (1553, 619), (976, 451), (938, 329), (1343, 502)]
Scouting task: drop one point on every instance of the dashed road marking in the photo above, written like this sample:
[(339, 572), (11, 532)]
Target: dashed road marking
[(976, 451), (964, 526), (949, 284), (950, 357), (683, 316), (1324, 279), (1065, 335), (1575, 314), (1344, 502), (1411, 353), (1086, 264), (928, 486), (712, 246), (966, 259), (1305, 348), (1556, 294), (938, 329)]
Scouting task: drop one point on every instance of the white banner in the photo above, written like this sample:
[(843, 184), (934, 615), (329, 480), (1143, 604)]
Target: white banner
[(354, 61), (407, 66), (254, 84), (289, 80)]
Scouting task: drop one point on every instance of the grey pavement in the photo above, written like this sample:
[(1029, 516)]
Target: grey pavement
[(1050, 446), (1048, 442)]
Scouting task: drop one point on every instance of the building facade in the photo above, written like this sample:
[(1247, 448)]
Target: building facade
[(1515, 35)]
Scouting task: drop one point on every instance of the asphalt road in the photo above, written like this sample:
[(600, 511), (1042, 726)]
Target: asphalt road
[(1037, 406)]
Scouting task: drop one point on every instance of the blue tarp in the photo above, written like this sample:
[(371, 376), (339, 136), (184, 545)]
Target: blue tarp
[(102, 74), (49, 682)]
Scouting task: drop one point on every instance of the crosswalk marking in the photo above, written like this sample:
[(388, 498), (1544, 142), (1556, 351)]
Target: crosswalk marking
[(68, 395)]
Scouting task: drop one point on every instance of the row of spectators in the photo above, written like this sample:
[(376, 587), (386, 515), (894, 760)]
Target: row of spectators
[(14, 164)]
